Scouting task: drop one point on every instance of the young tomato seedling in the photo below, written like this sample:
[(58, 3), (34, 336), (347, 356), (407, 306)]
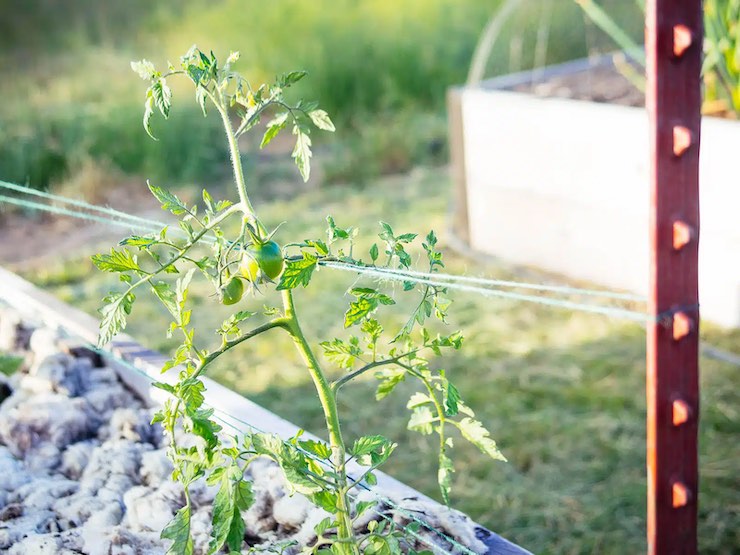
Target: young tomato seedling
[(240, 267)]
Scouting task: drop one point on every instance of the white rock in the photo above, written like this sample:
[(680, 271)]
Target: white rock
[(12, 472), (44, 343), (290, 511), (46, 544), (155, 467), (76, 457)]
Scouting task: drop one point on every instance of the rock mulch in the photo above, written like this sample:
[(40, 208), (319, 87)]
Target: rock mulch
[(82, 470)]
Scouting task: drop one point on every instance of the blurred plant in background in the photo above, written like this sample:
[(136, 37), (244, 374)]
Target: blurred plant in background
[(385, 63), (721, 68)]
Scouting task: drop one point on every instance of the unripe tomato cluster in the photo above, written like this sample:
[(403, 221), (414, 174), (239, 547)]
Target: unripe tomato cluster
[(262, 260), (259, 261)]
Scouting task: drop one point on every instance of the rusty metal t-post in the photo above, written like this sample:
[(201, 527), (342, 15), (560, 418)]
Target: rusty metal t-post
[(673, 43)]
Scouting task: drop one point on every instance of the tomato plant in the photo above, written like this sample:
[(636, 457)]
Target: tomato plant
[(392, 355)]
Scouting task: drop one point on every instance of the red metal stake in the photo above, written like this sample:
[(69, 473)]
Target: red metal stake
[(673, 40)]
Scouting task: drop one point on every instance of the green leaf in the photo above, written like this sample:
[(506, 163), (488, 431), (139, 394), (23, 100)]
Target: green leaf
[(451, 398), (169, 200), (358, 310), (116, 261), (341, 353), (444, 476), (178, 530), (421, 420), (374, 252), (475, 433), (200, 98), (114, 314), (273, 128), (321, 120), (228, 526), (323, 526), (164, 293), (138, 241), (326, 500), (320, 246), (297, 272), (367, 444), (302, 152), (288, 79), (223, 513), (9, 365), (162, 96), (367, 301), (243, 495), (318, 448), (204, 427), (389, 380), (148, 113)]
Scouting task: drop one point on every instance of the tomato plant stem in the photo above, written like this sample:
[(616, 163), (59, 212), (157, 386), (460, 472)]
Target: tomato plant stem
[(236, 161), (331, 414)]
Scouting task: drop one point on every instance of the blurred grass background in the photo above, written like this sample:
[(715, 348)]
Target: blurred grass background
[(379, 67)]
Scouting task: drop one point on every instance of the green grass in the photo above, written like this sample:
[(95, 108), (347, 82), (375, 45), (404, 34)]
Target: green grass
[(380, 67), (562, 392)]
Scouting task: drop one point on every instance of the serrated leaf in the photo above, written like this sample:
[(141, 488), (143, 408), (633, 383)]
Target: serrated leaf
[(148, 113), (326, 500), (302, 153), (321, 120), (228, 526), (318, 448), (114, 314), (359, 309), (138, 241), (367, 444), (200, 97), (389, 380), (162, 97), (168, 200), (421, 420), (274, 127), (116, 261), (452, 397), (223, 513), (475, 433), (297, 272), (320, 246), (444, 476), (243, 495), (323, 525), (167, 296), (178, 530), (288, 79), (341, 353)]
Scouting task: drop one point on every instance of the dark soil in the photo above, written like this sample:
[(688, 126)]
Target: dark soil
[(597, 84)]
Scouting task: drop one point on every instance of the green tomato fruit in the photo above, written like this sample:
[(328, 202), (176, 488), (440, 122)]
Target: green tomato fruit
[(266, 258), (232, 292)]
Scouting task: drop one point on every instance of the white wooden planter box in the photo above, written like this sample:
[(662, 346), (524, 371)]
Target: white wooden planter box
[(138, 367), (562, 185)]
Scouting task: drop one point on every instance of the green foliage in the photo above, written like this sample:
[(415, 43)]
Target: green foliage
[(314, 469), (9, 365), (721, 66)]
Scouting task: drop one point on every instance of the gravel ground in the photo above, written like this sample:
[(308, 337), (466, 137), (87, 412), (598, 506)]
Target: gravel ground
[(82, 470)]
